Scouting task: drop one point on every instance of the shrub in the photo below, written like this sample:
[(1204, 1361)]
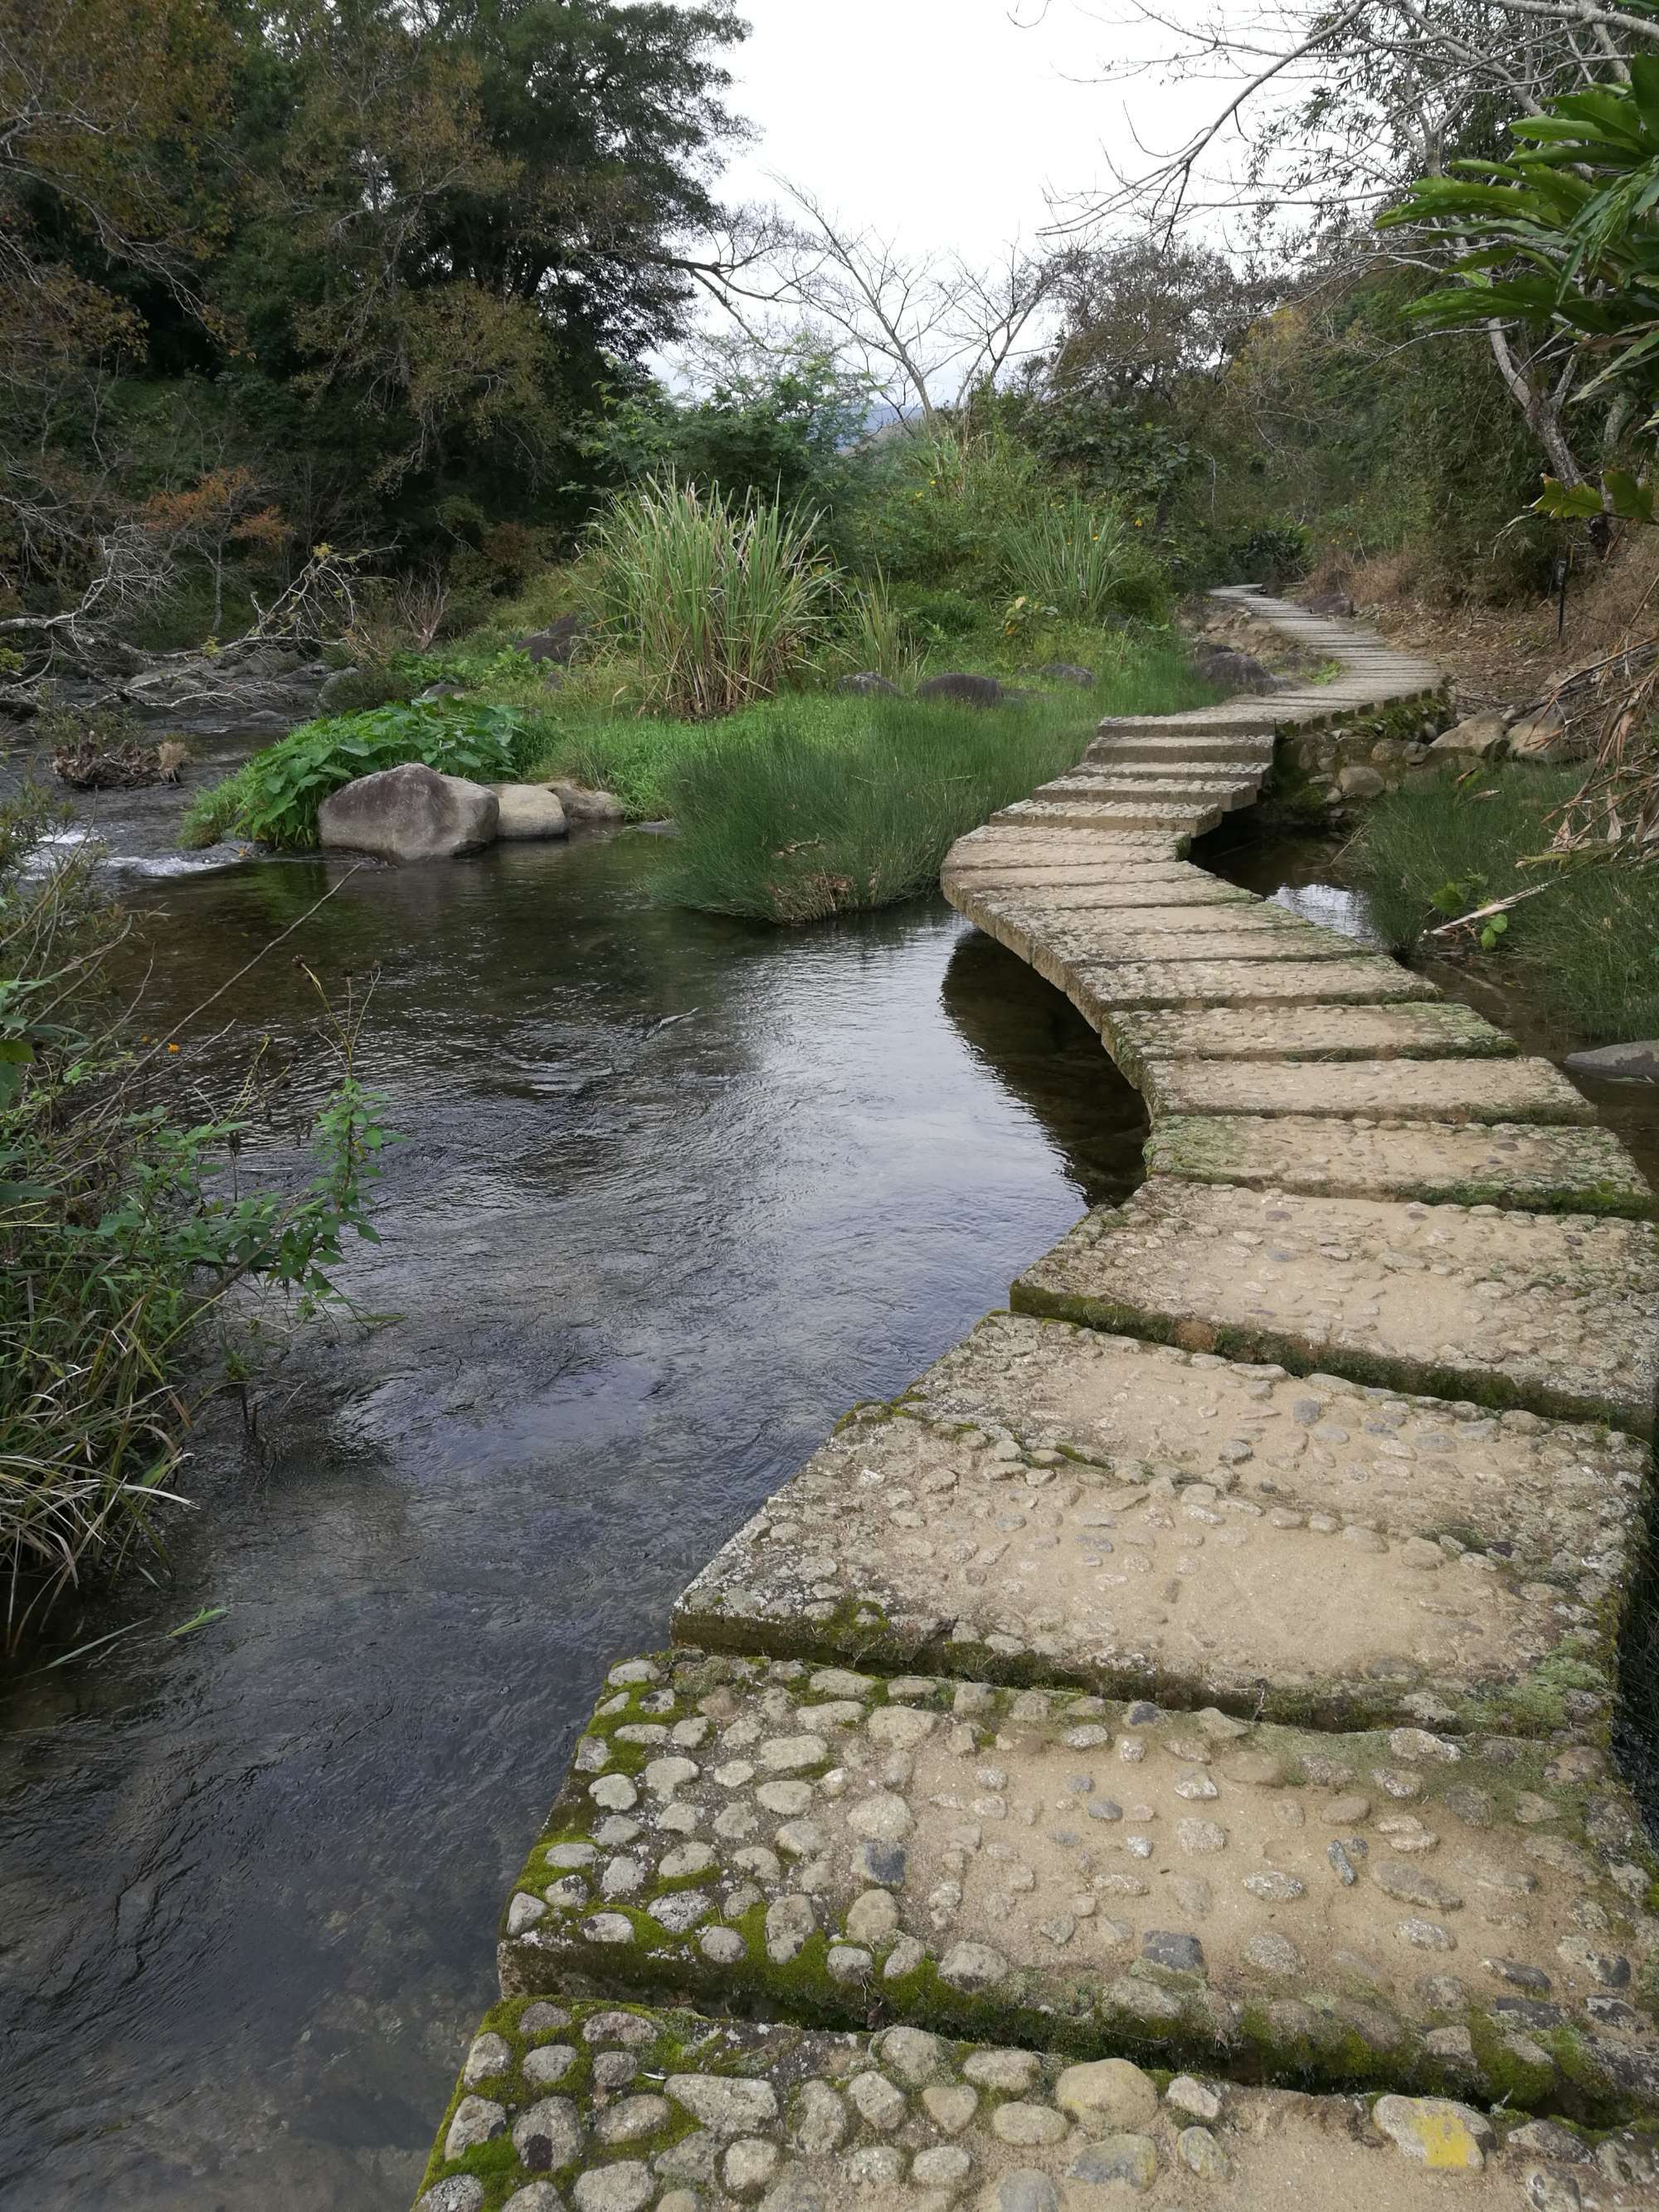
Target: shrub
[(118, 1237), (720, 601), (877, 636), (275, 796), (1080, 559)]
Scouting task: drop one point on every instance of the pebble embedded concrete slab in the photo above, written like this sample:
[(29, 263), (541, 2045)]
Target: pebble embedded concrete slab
[(1049, 1504), (1528, 1169), (1423, 1031), (1095, 991), (1381, 1089), (624, 2107), (1553, 1313), (1371, 1910)]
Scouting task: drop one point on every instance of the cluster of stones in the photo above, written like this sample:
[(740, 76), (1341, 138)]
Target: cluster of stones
[(604, 2107), (1179, 1721)]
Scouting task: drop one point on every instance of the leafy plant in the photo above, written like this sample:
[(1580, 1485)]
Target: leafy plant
[(720, 601), (1076, 558), (275, 796), (1563, 238)]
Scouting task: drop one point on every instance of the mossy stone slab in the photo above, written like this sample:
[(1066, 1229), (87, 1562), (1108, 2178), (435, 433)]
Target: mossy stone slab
[(1426, 1030), (1556, 1314), (663, 2106), (1049, 1504), (767, 1839), (1380, 1090), (1510, 1164), (1098, 991), (1177, 817)]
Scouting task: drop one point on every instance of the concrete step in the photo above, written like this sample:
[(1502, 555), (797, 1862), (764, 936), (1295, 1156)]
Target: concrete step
[(1559, 1170), (1071, 948), (714, 2112), (772, 1841), (1556, 1315), (1063, 890), (1177, 818), (1033, 846), (1387, 1090), (1228, 792), (1098, 992), (1154, 751), (1424, 1031), (1074, 932), (1051, 1505)]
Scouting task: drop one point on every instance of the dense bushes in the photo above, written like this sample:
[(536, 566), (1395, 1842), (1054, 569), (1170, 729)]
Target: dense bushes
[(122, 1227)]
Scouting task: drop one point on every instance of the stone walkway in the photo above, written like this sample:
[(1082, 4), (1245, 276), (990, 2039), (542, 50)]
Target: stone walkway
[(1162, 1757)]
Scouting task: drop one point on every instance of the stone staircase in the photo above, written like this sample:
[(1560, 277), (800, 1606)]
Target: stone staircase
[(1161, 1757)]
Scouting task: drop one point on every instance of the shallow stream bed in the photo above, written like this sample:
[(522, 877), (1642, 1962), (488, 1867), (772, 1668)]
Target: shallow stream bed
[(675, 1193)]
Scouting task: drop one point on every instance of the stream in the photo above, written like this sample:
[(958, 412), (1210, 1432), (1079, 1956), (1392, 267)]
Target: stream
[(675, 1193)]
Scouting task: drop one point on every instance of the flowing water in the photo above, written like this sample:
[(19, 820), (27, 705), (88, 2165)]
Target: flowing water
[(676, 1192)]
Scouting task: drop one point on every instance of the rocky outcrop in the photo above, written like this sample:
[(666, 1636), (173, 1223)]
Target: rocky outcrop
[(408, 813), (1481, 735)]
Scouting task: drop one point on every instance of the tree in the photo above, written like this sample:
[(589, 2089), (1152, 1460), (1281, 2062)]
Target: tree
[(1338, 108), (920, 329), (1562, 240), (107, 112)]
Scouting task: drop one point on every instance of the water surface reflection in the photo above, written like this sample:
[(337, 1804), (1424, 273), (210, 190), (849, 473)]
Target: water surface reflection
[(676, 1192)]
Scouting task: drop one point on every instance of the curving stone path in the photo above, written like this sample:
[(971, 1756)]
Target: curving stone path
[(1161, 1757)]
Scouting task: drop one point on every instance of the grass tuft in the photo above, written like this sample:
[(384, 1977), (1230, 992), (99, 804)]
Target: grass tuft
[(1585, 950), (828, 805)]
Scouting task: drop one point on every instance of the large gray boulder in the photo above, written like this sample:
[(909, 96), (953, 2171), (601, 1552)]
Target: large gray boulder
[(1239, 671), (557, 643), (408, 813), (1638, 1063), (529, 809), (1543, 735)]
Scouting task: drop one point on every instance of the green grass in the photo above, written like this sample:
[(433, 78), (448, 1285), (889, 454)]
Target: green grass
[(824, 805), (1585, 950)]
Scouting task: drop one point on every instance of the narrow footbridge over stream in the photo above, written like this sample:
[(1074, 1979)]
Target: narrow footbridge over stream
[(1162, 1757)]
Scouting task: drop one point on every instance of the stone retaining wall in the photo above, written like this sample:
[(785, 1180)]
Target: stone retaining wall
[(1193, 1694)]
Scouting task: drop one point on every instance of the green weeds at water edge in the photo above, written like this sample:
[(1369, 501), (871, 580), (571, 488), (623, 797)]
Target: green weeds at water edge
[(123, 1227), (1587, 947)]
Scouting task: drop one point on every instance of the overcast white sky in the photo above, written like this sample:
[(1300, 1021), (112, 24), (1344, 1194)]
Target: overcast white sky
[(941, 120)]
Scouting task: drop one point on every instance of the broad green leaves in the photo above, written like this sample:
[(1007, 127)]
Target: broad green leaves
[(282, 786)]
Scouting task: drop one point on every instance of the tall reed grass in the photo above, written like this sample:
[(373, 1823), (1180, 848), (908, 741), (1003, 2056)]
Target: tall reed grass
[(717, 601), (1081, 558), (121, 1229)]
